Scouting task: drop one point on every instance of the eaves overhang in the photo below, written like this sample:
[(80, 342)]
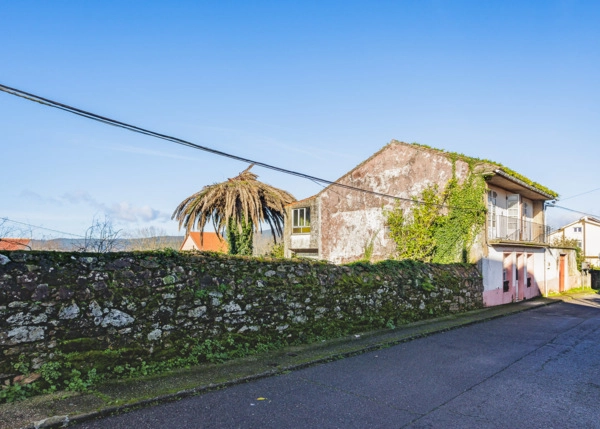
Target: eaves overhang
[(504, 180)]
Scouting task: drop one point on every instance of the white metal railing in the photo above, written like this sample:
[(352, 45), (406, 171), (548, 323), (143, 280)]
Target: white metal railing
[(516, 229)]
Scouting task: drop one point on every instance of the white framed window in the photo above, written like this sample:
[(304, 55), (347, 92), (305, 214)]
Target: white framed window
[(492, 213), (301, 220), (576, 229), (513, 204)]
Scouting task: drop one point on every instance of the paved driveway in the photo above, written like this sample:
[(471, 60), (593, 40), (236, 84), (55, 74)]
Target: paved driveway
[(536, 369)]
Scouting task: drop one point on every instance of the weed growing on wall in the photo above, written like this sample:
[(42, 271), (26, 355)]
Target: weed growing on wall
[(414, 232), (132, 314)]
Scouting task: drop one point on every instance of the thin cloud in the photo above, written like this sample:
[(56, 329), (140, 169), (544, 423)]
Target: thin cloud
[(123, 211), (126, 212), (34, 196), (76, 197)]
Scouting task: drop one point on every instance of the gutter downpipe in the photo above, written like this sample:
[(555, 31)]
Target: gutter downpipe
[(551, 204)]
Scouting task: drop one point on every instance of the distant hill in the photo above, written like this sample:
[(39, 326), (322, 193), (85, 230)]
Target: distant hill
[(263, 243), (120, 244)]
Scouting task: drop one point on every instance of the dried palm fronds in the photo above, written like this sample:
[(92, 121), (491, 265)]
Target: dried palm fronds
[(241, 199)]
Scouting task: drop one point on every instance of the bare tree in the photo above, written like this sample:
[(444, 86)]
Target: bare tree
[(13, 236), (101, 237), (151, 238)]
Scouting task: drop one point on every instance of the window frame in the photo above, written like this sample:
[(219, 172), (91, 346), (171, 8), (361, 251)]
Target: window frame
[(301, 220)]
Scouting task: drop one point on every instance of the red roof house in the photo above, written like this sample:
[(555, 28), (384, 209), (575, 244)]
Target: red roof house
[(210, 242), (15, 244)]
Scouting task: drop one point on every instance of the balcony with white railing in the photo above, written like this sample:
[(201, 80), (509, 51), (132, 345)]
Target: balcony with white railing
[(506, 228)]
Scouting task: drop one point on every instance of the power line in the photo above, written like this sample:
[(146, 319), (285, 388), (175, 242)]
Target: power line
[(574, 211), (578, 195), (5, 219), (133, 128)]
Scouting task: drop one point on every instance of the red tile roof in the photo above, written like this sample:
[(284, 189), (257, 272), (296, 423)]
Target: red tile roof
[(210, 242), (15, 244)]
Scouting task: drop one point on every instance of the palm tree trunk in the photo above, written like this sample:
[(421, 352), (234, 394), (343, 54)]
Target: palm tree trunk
[(240, 242)]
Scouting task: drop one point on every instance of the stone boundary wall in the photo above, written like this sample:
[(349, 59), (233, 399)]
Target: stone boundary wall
[(152, 305)]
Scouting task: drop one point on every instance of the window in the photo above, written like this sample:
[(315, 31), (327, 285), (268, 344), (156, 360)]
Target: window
[(576, 229), (492, 219), (505, 281), (513, 203), (301, 220)]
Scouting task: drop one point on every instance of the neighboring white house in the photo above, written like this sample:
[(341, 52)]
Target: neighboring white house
[(586, 232)]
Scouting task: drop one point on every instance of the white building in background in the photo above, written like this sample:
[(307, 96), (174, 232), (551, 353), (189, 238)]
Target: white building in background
[(586, 232)]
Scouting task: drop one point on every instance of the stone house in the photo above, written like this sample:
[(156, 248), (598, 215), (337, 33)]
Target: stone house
[(341, 224)]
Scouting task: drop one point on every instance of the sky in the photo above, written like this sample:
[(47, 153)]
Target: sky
[(311, 86)]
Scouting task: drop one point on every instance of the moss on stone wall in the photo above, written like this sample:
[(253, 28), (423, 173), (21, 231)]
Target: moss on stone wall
[(120, 314)]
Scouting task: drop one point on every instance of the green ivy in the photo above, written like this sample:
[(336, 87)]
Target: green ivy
[(414, 232), (456, 231), (442, 226), (474, 161), (240, 241)]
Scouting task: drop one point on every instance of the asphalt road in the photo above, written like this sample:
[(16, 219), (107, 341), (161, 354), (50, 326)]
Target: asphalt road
[(536, 369)]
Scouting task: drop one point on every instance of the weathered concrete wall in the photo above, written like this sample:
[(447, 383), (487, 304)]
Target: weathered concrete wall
[(153, 305), (350, 220), (306, 244)]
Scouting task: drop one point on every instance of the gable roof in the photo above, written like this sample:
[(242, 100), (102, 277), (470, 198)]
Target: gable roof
[(581, 220), (15, 244), (209, 242), (494, 172)]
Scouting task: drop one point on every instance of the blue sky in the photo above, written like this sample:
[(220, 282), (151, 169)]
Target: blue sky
[(313, 86)]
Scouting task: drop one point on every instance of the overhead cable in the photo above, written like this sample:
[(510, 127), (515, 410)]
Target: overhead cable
[(578, 195), (5, 219), (574, 211), (115, 123)]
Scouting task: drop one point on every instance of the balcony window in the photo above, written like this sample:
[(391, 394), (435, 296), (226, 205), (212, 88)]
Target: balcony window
[(492, 211), (301, 220), (510, 229)]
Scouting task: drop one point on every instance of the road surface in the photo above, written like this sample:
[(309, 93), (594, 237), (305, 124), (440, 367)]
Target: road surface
[(536, 369)]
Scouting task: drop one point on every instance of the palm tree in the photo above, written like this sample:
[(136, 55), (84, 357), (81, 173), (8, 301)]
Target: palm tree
[(237, 206)]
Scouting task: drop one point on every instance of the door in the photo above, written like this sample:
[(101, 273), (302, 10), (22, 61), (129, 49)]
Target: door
[(508, 277), (520, 277), (561, 274), (526, 223), (492, 215), (512, 228), (530, 285)]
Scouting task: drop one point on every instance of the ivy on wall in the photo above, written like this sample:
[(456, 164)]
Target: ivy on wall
[(414, 232), (240, 238), (442, 227), (473, 161)]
